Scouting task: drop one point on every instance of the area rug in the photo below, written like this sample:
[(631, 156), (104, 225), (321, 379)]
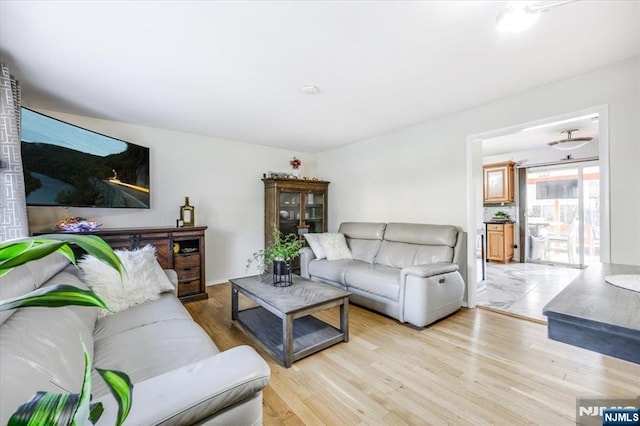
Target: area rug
[(630, 282)]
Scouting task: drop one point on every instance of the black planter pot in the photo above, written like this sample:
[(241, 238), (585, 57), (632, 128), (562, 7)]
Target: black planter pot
[(282, 273)]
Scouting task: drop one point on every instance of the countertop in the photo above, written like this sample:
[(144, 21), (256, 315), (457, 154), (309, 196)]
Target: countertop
[(590, 297)]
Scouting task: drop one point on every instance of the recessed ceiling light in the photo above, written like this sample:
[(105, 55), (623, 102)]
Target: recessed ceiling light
[(310, 89)]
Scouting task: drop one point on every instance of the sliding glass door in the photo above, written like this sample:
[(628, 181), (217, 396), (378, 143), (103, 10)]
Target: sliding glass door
[(563, 214)]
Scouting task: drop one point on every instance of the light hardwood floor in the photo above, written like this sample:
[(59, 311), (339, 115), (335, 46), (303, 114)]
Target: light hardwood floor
[(475, 367)]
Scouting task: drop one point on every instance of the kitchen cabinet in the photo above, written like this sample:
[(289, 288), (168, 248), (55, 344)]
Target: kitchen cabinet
[(500, 242), (499, 182)]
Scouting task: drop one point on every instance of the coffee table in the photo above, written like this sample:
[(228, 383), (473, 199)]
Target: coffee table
[(282, 321)]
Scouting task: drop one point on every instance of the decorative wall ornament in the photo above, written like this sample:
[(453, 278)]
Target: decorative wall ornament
[(295, 165)]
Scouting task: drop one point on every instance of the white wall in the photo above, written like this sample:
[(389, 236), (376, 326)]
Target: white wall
[(412, 175), (221, 178), (418, 174)]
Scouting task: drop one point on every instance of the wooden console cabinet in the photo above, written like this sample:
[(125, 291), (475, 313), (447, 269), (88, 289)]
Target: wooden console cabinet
[(499, 181), (181, 249), (500, 242)]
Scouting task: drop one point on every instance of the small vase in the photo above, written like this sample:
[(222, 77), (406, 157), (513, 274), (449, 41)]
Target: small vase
[(282, 273), (295, 172)]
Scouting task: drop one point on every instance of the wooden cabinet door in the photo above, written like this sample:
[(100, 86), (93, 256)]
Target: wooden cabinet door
[(314, 211), (495, 184), (508, 242), (289, 212), (118, 242), (132, 241), (164, 253), (495, 246)]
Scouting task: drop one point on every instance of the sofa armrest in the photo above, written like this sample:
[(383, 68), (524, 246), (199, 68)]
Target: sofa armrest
[(173, 278), (194, 392), (426, 271), (306, 256)]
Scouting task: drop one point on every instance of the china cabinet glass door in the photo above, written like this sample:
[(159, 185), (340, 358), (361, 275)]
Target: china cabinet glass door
[(290, 206), (314, 212)]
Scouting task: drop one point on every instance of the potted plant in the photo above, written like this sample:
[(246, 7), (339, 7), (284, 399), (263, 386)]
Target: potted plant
[(279, 254), (501, 215), (64, 408)]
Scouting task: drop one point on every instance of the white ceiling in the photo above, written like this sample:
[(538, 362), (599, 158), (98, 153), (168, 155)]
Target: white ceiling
[(234, 70)]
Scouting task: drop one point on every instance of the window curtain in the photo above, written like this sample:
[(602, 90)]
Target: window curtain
[(13, 199)]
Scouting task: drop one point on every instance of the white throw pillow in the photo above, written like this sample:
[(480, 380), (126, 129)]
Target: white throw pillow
[(315, 242), (143, 280), (335, 246)]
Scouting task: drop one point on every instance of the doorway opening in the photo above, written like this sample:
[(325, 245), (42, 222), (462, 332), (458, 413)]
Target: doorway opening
[(560, 214)]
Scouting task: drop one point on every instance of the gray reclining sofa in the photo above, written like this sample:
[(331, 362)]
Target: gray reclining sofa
[(179, 375), (411, 272)]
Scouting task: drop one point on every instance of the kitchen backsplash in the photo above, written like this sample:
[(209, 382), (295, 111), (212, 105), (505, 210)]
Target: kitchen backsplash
[(489, 212)]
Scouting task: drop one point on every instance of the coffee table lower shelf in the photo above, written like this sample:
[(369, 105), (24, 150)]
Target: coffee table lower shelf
[(310, 334)]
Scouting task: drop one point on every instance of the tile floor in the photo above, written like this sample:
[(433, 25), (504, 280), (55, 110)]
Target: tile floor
[(523, 288)]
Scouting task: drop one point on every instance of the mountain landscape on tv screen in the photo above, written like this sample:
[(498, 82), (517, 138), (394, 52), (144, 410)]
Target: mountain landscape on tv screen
[(59, 176)]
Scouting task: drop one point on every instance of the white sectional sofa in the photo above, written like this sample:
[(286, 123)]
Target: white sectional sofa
[(178, 373), (411, 272)]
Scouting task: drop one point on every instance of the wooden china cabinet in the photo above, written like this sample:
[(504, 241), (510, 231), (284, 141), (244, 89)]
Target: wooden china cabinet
[(294, 206)]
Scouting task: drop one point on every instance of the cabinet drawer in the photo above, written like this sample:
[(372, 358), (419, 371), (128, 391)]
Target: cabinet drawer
[(185, 274), (187, 260), (190, 287), (494, 227)]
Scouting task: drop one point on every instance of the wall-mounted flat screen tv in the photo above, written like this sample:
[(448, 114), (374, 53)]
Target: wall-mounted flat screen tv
[(66, 165)]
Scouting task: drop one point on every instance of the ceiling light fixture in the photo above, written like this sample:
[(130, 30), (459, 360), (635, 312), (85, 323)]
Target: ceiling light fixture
[(569, 143), (555, 123), (520, 16)]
